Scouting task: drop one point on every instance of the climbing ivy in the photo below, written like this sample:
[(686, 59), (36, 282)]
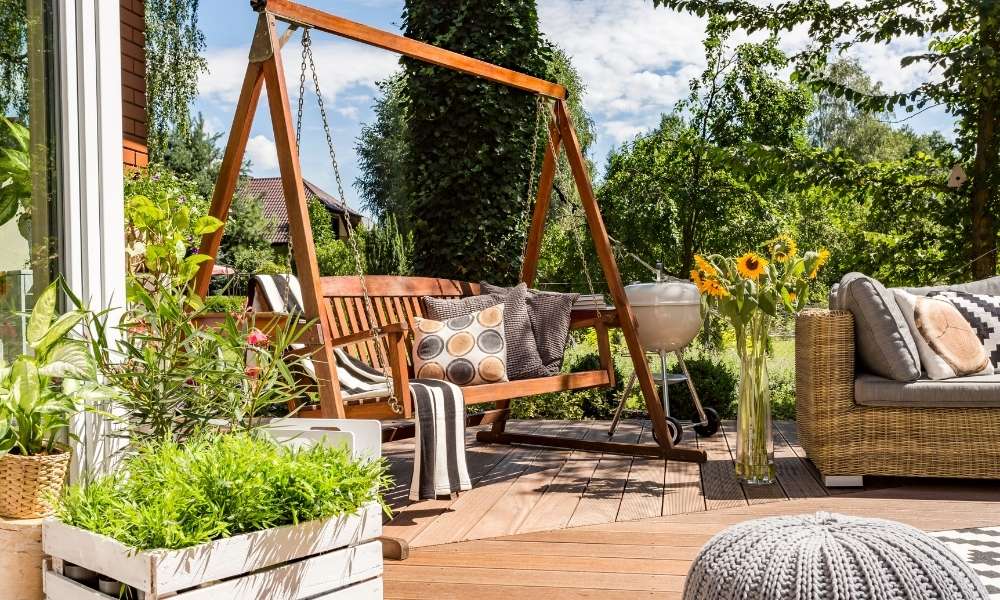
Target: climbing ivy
[(470, 140), (173, 63)]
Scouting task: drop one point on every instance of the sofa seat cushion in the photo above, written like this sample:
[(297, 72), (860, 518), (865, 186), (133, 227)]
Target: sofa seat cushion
[(976, 391)]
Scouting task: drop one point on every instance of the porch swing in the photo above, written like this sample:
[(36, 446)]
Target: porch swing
[(363, 322)]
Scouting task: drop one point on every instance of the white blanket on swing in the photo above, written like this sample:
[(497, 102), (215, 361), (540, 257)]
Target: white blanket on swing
[(439, 464)]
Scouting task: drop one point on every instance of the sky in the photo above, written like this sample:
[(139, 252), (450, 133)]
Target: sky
[(635, 60)]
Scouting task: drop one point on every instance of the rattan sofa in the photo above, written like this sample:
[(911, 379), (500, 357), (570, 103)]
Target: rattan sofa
[(847, 440)]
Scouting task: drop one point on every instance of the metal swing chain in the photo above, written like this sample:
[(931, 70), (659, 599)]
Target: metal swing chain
[(308, 62), (528, 193)]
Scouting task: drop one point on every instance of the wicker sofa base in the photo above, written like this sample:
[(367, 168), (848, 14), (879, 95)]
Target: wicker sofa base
[(843, 438)]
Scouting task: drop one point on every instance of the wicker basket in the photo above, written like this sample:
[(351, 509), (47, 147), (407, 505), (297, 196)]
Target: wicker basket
[(27, 483)]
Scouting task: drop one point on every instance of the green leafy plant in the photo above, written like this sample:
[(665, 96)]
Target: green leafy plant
[(15, 170), (172, 495), (39, 393), (387, 250)]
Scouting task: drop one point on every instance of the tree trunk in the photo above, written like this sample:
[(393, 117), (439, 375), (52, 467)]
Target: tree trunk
[(981, 201)]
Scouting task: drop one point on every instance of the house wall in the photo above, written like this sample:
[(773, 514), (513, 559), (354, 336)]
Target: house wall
[(133, 40)]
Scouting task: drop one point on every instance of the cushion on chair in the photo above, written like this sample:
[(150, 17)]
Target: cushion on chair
[(989, 286), (976, 391), (883, 338), (947, 344), (523, 361), (465, 350), (550, 319), (983, 313)]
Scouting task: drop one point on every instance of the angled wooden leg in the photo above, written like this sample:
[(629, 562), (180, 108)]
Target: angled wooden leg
[(400, 373), (394, 548), (314, 308)]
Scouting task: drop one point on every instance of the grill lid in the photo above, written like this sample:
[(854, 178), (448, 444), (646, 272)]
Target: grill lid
[(675, 292)]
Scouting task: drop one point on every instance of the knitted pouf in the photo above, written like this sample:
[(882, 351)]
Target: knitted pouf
[(828, 557)]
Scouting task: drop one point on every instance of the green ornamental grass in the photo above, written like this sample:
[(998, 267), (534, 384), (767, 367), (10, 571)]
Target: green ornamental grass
[(171, 496)]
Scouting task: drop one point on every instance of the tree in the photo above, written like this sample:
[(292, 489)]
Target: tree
[(195, 154), (964, 50), (247, 228), (673, 192), (173, 63), (470, 140), (13, 58), (387, 251)]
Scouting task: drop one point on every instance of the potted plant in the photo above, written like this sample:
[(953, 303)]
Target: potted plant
[(234, 515), (749, 291), (38, 395)]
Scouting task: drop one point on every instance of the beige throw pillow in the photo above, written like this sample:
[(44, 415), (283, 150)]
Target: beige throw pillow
[(947, 344), (465, 350)]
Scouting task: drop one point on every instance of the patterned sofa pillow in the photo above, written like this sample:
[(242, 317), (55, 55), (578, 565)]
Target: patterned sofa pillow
[(947, 344), (465, 350), (983, 313)]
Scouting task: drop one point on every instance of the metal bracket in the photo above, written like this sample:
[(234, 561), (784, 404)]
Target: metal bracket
[(261, 48)]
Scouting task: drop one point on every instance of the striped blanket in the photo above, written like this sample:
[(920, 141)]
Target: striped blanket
[(439, 466)]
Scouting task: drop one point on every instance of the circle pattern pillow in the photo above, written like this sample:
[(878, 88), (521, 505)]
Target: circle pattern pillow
[(466, 350)]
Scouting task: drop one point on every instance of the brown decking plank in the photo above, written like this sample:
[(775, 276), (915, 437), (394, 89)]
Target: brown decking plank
[(489, 560), (603, 496), (755, 494), (682, 491), (475, 504), (539, 580), (561, 548), (514, 506), (405, 590), (613, 536), (560, 499), (644, 490), (793, 473)]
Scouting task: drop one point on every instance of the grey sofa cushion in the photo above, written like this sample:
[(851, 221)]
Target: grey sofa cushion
[(885, 344), (523, 361), (961, 392), (988, 287), (550, 318)]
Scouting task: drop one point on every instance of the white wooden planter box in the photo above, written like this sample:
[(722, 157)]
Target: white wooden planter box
[(331, 559)]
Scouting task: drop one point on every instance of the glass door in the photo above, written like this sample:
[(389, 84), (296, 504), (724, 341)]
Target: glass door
[(28, 126)]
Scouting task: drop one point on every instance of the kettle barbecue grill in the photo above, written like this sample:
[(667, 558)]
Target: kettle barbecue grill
[(668, 314)]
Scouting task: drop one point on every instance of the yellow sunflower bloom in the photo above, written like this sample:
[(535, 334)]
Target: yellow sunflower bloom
[(696, 279), (751, 265), (704, 266), (783, 248), (712, 287), (823, 257)]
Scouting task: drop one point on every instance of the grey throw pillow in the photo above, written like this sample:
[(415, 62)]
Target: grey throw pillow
[(550, 314), (987, 287), (523, 361), (885, 344)]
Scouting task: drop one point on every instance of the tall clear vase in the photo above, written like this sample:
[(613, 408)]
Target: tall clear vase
[(754, 442)]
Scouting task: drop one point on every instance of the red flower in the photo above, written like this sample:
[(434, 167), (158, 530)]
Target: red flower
[(252, 372), (258, 338)]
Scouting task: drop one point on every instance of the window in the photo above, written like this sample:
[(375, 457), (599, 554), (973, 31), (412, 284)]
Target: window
[(29, 241)]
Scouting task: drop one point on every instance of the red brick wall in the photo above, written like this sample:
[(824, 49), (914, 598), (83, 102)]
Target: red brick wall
[(134, 152)]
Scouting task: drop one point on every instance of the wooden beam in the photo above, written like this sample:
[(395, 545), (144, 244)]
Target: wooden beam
[(533, 247), (602, 244), (229, 171), (551, 441), (314, 307), (293, 12)]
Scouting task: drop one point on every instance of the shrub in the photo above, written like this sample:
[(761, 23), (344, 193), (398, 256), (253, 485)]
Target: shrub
[(226, 304), (782, 386), (173, 496), (573, 405), (387, 251), (714, 379)]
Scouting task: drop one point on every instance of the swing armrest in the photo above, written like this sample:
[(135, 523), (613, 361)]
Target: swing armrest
[(390, 330)]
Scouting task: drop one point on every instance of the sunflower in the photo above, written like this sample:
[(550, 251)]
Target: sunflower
[(712, 287), (696, 279), (704, 266), (783, 248), (751, 265), (822, 257)]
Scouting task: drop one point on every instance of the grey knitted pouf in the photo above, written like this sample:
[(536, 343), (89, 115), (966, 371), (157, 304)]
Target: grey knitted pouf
[(828, 557)]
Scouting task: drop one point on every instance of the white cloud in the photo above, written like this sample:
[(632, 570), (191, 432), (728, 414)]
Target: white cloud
[(263, 154), (341, 65)]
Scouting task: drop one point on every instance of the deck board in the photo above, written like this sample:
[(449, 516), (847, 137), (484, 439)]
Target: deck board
[(603, 497)]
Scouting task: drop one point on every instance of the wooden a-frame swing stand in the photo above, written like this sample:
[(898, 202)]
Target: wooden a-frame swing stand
[(265, 69)]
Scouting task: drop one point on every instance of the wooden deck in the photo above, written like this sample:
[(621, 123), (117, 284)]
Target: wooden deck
[(579, 525)]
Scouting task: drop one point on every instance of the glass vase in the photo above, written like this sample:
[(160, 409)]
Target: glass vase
[(754, 443)]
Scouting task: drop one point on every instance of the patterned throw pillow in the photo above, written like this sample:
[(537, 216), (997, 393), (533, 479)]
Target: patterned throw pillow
[(947, 344), (983, 313), (523, 361), (466, 350), (550, 314)]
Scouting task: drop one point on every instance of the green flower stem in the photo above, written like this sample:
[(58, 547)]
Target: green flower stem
[(754, 444)]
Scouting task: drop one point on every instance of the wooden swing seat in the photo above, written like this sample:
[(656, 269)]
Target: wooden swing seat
[(397, 303)]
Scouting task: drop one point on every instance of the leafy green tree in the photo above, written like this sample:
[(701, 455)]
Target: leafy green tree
[(195, 154), (963, 50), (387, 250), (13, 58), (247, 228), (174, 44), (470, 140), (382, 184)]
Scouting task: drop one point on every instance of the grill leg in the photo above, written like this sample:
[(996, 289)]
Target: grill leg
[(665, 394), (621, 404), (694, 393)]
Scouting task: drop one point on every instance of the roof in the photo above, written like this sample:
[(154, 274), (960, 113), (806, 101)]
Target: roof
[(273, 198)]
